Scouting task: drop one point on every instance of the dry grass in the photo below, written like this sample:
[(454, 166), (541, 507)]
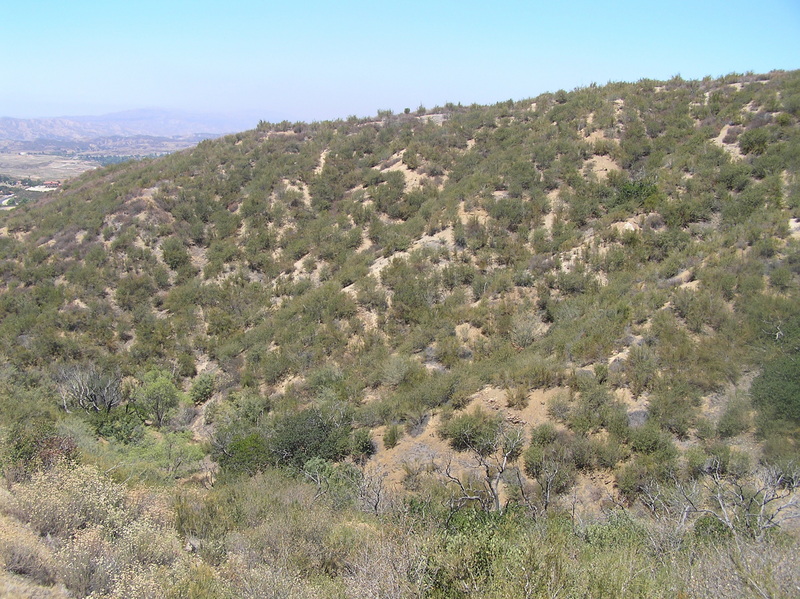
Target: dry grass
[(23, 553)]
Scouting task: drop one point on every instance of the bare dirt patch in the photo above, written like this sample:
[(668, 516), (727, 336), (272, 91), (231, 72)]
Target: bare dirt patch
[(423, 454), (198, 256), (555, 205), (714, 404), (413, 179), (442, 239), (465, 215), (602, 165), (377, 267), (468, 333), (732, 149), (794, 228), (321, 164), (626, 226), (535, 413), (414, 453)]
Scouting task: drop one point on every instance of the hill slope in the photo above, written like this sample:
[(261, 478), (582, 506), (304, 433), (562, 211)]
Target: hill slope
[(605, 270)]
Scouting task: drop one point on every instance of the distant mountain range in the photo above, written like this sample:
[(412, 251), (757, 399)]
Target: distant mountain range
[(130, 133), (149, 122)]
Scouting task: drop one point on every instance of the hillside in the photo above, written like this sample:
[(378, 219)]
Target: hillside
[(573, 317)]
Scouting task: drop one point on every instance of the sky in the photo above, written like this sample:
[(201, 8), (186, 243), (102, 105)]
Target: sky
[(315, 60)]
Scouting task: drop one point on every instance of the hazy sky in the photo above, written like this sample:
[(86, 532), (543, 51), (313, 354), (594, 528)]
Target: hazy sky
[(313, 60)]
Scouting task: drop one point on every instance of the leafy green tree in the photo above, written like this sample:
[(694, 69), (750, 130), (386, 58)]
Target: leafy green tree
[(248, 454), (157, 396), (297, 437)]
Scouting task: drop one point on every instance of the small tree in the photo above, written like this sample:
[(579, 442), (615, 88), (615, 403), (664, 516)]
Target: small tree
[(298, 437), (88, 388), (751, 504), (157, 396), (756, 505), (202, 388), (552, 467), (492, 443)]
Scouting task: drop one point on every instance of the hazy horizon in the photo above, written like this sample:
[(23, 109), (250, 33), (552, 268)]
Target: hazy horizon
[(311, 60), (214, 123)]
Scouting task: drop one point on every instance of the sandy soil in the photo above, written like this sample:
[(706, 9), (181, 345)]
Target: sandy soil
[(425, 451), (465, 215), (413, 179), (732, 149), (602, 165), (794, 228)]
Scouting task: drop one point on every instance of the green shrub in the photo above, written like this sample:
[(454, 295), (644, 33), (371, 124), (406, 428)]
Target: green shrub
[(248, 454), (776, 391), (620, 530), (544, 434), (552, 466), (781, 279), (202, 388), (517, 397), (641, 368), (650, 439), (644, 471), (476, 431), (392, 436), (710, 529), (735, 419), (362, 446), (559, 407), (608, 453), (175, 254), (754, 141), (123, 425), (297, 437), (134, 291), (587, 414), (673, 408)]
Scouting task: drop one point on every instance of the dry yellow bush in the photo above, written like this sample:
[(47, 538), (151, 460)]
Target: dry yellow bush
[(89, 562), (66, 498), (22, 552)]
